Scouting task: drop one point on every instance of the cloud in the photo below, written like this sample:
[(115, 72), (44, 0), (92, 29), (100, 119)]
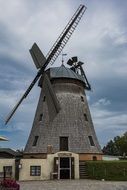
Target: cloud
[(102, 102), (108, 124), (99, 40)]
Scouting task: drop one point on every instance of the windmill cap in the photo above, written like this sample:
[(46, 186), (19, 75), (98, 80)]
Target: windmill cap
[(64, 72)]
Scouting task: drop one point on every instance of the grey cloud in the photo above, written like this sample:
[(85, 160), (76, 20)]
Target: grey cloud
[(99, 41)]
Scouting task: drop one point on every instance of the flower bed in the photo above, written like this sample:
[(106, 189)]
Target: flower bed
[(9, 184)]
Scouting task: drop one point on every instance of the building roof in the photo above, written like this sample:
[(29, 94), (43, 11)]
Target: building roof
[(9, 151), (64, 72)]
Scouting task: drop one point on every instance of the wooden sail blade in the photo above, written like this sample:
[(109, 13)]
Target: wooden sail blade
[(38, 57), (51, 98), (22, 98), (12, 112)]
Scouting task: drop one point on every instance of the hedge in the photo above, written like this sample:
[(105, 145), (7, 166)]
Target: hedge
[(107, 170)]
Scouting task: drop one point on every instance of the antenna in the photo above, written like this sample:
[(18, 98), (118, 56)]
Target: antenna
[(63, 54)]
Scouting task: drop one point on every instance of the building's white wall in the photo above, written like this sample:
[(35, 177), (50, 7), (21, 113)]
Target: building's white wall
[(8, 162), (76, 169), (24, 173), (109, 158), (46, 167)]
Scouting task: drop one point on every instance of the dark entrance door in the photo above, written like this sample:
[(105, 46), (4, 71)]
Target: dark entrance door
[(65, 168), (94, 158)]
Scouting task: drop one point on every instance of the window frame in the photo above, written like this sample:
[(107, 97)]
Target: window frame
[(60, 143), (44, 99), (8, 169), (85, 116), (91, 141), (82, 99), (40, 117), (35, 140), (35, 170)]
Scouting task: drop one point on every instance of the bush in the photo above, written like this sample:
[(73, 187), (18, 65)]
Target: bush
[(108, 170)]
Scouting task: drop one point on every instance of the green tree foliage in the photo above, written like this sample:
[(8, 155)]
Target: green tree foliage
[(117, 146)]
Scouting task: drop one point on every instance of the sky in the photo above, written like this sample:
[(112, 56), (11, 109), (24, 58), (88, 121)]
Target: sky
[(100, 41)]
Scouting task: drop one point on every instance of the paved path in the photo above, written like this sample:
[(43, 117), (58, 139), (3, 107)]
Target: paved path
[(73, 185)]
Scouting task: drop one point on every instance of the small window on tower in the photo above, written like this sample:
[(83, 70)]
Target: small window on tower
[(86, 118), (91, 141), (35, 140), (44, 99), (40, 117), (82, 99), (63, 143)]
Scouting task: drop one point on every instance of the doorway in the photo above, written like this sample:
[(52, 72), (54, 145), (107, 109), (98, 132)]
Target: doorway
[(94, 158), (65, 169)]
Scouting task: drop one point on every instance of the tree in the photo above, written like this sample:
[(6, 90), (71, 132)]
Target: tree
[(117, 146)]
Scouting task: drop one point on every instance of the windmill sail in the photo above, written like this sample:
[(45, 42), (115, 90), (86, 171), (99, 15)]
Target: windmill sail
[(38, 57), (51, 99)]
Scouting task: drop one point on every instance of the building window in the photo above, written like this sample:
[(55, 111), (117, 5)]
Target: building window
[(44, 99), (63, 143), (7, 171), (82, 99), (40, 117), (35, 140), (91, 141), (86, 118), (35, 170)]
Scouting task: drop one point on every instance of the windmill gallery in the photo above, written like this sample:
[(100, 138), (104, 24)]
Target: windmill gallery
[(62, 137)]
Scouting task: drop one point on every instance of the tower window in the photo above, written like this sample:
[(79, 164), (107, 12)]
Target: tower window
[(35, 140), (40, 117), (86, 118), (63, 143), (44, 99), (82, 99), (91, 141), (35, 170)]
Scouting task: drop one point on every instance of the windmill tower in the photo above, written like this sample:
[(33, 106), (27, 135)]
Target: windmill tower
[(62, 120), (63, 96)]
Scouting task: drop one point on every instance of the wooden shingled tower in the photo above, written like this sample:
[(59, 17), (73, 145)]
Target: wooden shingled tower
[(62, 121), (72, 129)]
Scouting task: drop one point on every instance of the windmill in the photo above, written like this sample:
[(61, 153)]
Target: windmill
[(62, 120), (41, 62)]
